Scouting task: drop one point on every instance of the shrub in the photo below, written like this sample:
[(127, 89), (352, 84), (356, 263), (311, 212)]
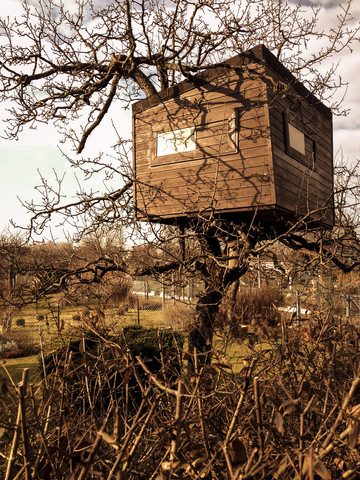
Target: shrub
[(151, 306), (122, 310), (86, 384), (97, 369), (161, 352), (40, 318), (256, 307), (20, 322), (180, 316), (296, 390), (76, 317), (7, 347), (148, 342)]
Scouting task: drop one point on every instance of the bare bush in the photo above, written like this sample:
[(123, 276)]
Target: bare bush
[(256, 306), (104, 412), (17, 344), (180, 316), (7, 347)]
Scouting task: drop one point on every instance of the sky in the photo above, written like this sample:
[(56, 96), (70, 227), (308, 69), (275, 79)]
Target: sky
[(37, 151)]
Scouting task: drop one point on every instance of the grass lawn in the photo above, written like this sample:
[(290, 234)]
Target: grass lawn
[(15, 367), (44, 321)]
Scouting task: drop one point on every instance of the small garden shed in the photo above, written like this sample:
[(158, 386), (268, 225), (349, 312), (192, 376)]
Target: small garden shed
[(239, 139)]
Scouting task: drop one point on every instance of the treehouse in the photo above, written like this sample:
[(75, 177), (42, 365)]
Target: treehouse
[(241, 140)]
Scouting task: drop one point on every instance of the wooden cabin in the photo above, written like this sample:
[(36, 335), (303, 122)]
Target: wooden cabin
[(239, 140)]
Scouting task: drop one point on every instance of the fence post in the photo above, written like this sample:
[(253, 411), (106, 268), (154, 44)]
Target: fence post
[(163, 295), (138, 311), (298, 306), (58, 316), (348, 306), (318, 295), (173, 289)]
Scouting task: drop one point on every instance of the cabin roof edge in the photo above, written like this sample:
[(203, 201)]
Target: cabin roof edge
[(259, 54)]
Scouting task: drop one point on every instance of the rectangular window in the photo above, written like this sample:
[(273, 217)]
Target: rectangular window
[(176, 141), (296, 139), (298, 144)]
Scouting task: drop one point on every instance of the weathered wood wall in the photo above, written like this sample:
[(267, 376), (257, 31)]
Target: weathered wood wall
[(244, 172), (301, 188), (218, 174)]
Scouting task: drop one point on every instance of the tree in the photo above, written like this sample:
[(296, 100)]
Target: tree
[(71, 67), (14, 255)]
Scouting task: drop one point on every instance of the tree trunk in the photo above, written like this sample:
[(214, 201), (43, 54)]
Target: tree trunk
[(201, 334), (218, 278)]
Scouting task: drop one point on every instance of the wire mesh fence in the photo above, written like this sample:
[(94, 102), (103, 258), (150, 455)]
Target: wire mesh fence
[(150, 305), (304, 302), (48, 325)]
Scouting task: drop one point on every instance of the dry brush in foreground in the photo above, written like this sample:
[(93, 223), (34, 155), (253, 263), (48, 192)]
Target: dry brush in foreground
[(103, 410)]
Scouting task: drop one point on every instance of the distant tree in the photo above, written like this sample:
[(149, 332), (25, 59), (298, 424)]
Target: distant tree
[(13, 256)]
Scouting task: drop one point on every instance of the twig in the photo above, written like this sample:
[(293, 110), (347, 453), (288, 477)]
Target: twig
[(332, 445), (127, 437), (10, 378), (14, 444), (90, 459), (250, 461), (155, 380), (22, 387), (42, 435), (301, 435), (177, 422), (258, 414), (138, 438), (327, 381), (311, 464), (201, 413), (240, 402), (235, 416), (20, 472), (343, 408)]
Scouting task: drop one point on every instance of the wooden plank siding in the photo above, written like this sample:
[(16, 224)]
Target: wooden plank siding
[(230, 170), (300, 188), (216, 175)]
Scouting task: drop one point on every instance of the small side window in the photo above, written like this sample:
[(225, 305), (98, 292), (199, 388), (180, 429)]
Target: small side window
[(296, 139), (298, 144)]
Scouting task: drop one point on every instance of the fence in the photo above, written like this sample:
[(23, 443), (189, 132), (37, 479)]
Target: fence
[(304, 302), (53, 323), (165, 293), (151, 307)]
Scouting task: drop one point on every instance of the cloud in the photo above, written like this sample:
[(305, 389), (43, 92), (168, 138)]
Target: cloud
[(11, 8)]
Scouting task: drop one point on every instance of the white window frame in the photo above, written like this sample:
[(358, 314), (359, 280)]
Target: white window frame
[(176, 141)]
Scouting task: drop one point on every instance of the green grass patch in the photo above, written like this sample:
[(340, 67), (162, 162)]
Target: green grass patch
[(15, 367)]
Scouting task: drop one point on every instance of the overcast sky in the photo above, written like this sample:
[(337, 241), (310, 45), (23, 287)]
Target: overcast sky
[(37, 150)]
